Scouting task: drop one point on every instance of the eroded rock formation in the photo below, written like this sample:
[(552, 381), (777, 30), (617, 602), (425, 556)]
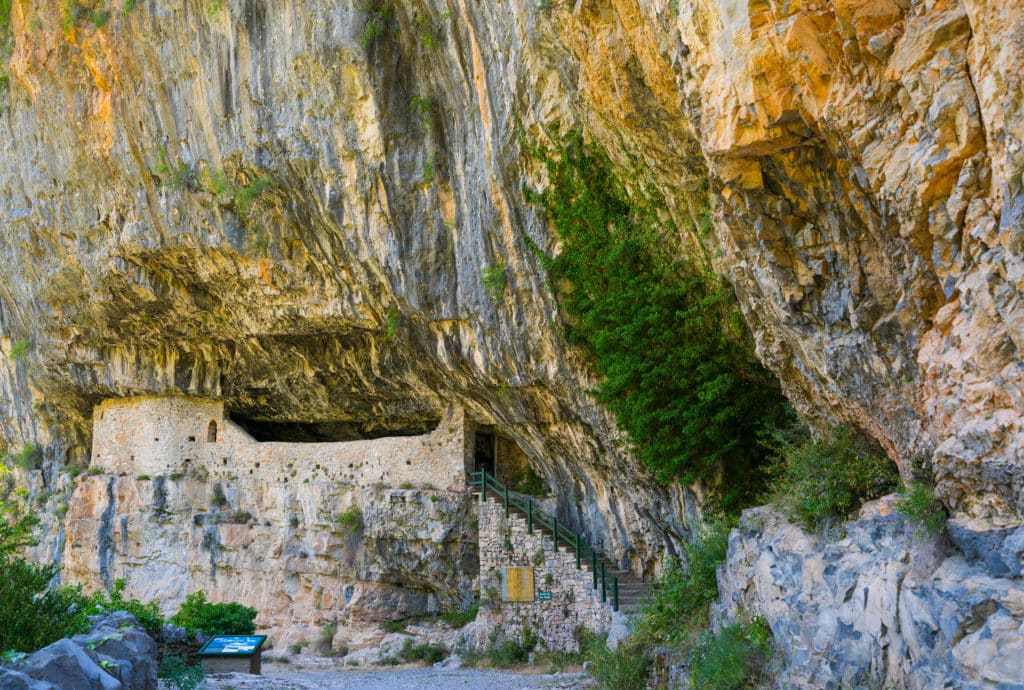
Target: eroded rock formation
[(314, 211)]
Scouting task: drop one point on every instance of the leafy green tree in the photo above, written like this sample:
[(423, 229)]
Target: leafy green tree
[(32, 612)]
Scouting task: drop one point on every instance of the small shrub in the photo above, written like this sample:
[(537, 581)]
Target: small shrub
[(530, 483), (28, 458), (147, 614), (680, 604), (921, 507), (197, 614), (427, 653), (457, 618), (175, 476), (734, 658), (405, 485), (19, 350), (493, 279), (391, 327), (625, 668), (178, 674), (821, 480), (350, 519), (325, 641), (513, 652), (93, 471), (296, 647), (393, 626), (240, 517), (143, 477)]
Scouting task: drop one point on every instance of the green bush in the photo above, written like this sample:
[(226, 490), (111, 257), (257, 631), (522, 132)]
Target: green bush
[(27, 458), (147, 614), (679, 368), (921, 507), (529, 483), (628, 667), (679, 606), (199, 615), (737, 657), (179, 675), (821, 480), (457, 618), (512, 652), (427, 653), (32, 613), (350, 519)]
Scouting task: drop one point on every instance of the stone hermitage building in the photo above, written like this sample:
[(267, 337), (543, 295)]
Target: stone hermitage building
[(180, 498)]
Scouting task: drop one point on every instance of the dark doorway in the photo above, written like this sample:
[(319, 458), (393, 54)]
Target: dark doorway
[(483, 452)]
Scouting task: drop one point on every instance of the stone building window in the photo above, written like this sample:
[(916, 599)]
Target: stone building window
[(211, 432)]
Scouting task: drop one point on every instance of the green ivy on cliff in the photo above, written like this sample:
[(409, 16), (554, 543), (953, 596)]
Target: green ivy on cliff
[(6, 45), (678, 365)]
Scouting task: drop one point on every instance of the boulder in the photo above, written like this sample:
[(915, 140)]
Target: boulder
[(14, 680), (1000, 550), (69, 667), (119, 639)]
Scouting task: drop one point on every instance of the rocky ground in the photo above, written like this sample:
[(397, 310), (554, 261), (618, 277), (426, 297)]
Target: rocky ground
[(276, 677)]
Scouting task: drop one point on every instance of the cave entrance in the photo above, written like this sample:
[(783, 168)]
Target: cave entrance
[(483, 452), (329, 432)]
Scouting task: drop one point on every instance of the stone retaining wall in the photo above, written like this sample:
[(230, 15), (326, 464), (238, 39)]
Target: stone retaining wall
[(574, 604)]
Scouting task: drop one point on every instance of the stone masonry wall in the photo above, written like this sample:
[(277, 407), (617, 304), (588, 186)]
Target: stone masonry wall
[(163, 435), (307, 534), (574, 603)]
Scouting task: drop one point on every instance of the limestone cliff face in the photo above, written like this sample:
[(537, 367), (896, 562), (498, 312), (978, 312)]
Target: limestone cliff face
[(291, 206)]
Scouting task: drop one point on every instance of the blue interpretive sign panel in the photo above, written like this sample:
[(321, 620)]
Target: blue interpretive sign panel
[(543, 596), (233, 645)]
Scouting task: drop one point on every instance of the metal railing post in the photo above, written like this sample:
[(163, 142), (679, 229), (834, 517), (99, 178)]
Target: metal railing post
[(554, 529), (615, 594), (577, 551), (593, 564), (483, 486), (604, 585), (529, 517), (506, 500)]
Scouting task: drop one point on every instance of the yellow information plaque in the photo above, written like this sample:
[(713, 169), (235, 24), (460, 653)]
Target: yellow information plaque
[(517, 584)]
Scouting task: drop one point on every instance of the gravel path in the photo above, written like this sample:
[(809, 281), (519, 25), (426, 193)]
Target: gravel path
[(396, 679)]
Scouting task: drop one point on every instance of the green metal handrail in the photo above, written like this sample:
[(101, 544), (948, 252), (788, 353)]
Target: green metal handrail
[(534, 515)]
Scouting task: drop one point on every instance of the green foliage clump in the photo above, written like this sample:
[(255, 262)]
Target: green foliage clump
[(393, 626), (820, 480), (627, 667), (391, 327), (685, 592), (679, 367), (493, 279), (529, 483), (378, 14), (199, 615), (147, 614), (19, 350), (27, 458), (178, 674), (512, 652), (32, 613), (458, 618), (735, 658), (428, 653), (350, 519), (919, 504)]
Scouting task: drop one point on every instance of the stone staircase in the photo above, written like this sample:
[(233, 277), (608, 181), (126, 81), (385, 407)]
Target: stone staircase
[(624, 592)]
